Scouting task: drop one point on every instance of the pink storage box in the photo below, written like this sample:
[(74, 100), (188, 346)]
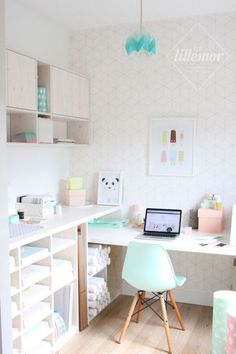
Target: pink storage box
[(210, 220), (75, 197)]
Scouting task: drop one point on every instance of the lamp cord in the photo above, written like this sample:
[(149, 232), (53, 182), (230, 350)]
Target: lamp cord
[(141, 14)]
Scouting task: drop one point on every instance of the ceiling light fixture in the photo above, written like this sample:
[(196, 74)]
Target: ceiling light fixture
[(141, 42)]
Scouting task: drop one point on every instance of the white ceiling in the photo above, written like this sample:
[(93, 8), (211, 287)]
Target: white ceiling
[(80, 14)]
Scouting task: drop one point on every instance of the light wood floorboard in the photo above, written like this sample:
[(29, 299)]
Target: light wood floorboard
[(147, 336)]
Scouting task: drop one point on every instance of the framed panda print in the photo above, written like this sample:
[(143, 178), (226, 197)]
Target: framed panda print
[(110, 185)]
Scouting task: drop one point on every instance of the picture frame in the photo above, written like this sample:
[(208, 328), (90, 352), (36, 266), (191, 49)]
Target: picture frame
[(171, 146), (110, 188)]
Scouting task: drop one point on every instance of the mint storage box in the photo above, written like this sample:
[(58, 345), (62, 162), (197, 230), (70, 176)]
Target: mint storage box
[(210, 220)]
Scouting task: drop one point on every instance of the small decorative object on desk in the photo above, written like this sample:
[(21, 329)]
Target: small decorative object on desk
[(193, 220), (137, 217), (210, 215), (212, 201), (110, 188)]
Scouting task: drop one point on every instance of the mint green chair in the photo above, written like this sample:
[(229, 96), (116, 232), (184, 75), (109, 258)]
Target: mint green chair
[(148, 267)]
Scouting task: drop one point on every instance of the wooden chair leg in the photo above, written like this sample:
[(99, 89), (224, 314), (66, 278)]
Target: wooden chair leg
[(178, 315), (131, 310), (166, 324), (140, 306)]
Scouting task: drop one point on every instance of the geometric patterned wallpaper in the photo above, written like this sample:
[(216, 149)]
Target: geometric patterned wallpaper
[(126, 92)]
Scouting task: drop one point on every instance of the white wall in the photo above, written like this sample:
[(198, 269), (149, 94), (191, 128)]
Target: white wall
[(127, 91), (5, 309), (32, 34), (38, 170)]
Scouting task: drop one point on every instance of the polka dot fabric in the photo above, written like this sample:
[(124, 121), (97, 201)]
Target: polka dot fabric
[(231, 331), (221, 303)]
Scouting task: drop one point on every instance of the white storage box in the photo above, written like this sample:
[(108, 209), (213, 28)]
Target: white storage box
[(45, 131), (41, 210)]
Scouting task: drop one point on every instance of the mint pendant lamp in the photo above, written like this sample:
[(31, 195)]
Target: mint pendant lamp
[(141, 42)]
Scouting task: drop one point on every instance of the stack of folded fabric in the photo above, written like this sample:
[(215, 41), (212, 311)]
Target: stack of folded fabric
[(98, 258), (25, 137), (98, 295), (62, 272)]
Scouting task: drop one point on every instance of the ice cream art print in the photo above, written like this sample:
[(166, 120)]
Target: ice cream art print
[(171, 146)]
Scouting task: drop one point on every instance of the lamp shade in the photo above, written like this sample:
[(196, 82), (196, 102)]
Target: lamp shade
[(141, 43)]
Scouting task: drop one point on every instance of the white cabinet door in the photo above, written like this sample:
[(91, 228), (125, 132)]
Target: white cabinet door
[(83, 97), (69, 94), (58, 91), (21, 81)]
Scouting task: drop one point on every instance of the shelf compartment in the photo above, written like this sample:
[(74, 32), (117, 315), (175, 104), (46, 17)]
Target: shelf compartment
[(34, 273), (44, 81), (15, 305), (65, 304), (36, 293), (36, 313), (18, 123), (71, 128), (61, 341), (16, 327), (15, 283), (32, 337), (60, 244), (31, 254), (14, 260)]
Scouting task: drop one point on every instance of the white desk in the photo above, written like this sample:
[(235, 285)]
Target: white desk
[(205, 271), (70, 217), (183, 243)]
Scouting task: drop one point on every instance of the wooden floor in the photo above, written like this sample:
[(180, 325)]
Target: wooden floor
[(147, 336)]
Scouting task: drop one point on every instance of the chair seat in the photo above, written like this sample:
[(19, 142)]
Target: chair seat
[(180, 280)]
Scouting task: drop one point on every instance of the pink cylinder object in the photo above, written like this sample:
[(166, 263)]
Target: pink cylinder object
[(231, 331)]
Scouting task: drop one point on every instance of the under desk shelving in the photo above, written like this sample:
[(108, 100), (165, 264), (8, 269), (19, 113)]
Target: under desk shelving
[(44, 311), (98, 295)]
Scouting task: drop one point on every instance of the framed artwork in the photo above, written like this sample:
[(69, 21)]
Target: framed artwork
[(110, 185), (171, 151)]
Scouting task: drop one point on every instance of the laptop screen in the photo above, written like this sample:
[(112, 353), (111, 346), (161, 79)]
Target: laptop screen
[(162, 221)]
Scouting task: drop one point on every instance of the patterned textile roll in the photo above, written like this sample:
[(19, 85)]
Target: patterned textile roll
[(231, 330), (222, 301)]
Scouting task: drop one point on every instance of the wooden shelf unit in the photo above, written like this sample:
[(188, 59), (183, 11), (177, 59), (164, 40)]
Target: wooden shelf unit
[(55, 301), (68, 103)]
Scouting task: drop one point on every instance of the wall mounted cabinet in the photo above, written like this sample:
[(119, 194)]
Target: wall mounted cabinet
[(67, 101)]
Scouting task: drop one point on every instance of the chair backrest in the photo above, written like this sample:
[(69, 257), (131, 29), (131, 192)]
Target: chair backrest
[(148, 267)]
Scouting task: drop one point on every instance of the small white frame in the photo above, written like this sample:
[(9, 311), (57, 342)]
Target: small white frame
[(110, 187)]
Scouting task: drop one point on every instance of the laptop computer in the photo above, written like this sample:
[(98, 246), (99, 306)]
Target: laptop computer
[(162, 222)]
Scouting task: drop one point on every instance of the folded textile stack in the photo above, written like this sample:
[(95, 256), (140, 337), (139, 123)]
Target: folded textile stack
[(25, 137), (35, 293), (98, 258), (98, 296), (34, 314), (62, 272), (34, 273)]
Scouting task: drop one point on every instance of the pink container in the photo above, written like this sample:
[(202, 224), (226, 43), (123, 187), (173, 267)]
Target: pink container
[(75, 197), (210, 220)]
